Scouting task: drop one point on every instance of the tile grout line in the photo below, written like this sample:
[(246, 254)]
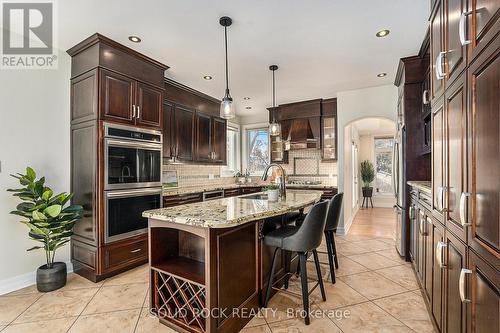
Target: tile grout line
[(394, 317), (29, 306), (80, 314), (142, 307)]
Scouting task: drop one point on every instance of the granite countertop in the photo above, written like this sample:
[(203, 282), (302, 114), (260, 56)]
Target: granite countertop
[(205, 188), (422, 185), (233, 211)]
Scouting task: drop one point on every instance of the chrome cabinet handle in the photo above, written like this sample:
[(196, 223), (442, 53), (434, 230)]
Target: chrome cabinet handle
[(425, 97), (439, 198), (138, 112), (439, 253), (135, 251), (463, 204), (133, 111), (439, 66), (461, 284), (462, 28)]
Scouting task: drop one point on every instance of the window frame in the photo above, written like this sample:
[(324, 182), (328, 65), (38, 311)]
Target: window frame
[(245, 152), (380, 150), (226, 171)]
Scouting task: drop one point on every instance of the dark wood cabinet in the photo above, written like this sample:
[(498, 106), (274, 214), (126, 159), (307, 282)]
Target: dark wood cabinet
[(109, 83), (149, 101), (128, 101), (203, 138), (482, 294), (182, 199), (184, 133), (483, 25), (168, 130), (438, 168), (455, 143), (435, 268), (484, 89), (117, 102), (455, 58), (219, 140), (455, 259), (436, 50)]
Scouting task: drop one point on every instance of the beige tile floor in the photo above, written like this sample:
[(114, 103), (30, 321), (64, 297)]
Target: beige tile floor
[(376, 291)]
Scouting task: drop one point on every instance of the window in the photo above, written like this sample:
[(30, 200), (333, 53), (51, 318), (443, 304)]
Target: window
[(233, 155), (383, 165), (257, 150)]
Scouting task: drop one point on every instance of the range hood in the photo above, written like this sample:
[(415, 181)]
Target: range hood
[(303, 133)]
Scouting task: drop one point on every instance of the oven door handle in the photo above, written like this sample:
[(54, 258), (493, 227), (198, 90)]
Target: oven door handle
[(133, 144), (131, 193)]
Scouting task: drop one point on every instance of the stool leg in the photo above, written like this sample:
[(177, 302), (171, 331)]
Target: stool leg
[(305, 288), (334, 250), (288, 260), (320, 277), (330, 255), (270, 279), (371, 202)]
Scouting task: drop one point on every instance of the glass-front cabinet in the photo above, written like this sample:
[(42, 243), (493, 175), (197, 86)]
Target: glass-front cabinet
[(278, 154), (329, 137)]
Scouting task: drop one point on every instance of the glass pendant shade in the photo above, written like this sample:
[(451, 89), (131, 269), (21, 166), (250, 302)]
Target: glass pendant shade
[(227, 110), (274, 129)]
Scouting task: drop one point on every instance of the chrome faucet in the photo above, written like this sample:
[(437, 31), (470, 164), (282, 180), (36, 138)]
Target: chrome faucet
[(281, 179)]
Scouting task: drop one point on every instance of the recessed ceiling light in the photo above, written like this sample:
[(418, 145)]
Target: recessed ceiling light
[(248, 107), (207, 77), (381, 74), (382, 33), (134, 39), (246, 98)]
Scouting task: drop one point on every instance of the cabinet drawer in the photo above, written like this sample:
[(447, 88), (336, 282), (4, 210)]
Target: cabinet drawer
[(183, 199), (231, 192), (117, 256), (248, 190)]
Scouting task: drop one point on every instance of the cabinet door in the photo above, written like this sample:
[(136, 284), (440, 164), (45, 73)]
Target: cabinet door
[(456, 156), (219, 140), (149, 102), (484, 294), (438, 159), (436, 40), (203, 138), (455, 58), (454, 318), (184, 133), (484, 88), (168, 130), (413, 231), (484, 24), (429, 256), (421, 246), (436, 261), (329, 138), (117, 97)]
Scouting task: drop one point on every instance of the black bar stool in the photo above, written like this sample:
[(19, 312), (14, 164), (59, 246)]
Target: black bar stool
[(302, 239), (332, 222)]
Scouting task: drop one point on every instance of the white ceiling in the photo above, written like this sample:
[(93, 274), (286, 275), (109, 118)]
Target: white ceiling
[(321, 46), (375, 126)]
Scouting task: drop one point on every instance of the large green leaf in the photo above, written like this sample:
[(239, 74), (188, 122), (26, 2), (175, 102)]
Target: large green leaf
[(39, 215), (66, 199), (47, 194), (25, 206), (30, 173), (53, 210)]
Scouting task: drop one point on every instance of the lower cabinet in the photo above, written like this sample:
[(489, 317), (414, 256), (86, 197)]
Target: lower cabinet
[(462, 289)]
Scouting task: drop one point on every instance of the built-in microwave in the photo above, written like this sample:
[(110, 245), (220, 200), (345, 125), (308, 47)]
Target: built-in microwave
[(132, 157), (123, 212)]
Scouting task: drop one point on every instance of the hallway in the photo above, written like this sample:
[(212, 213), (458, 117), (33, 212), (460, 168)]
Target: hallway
[(374, 222)]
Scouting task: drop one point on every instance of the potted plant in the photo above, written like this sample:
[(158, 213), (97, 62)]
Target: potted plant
[(272, 192), (240, 178), (367, 176), (50, 223)]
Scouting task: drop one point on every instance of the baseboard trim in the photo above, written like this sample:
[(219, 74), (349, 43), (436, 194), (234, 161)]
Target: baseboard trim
[(24, 280)]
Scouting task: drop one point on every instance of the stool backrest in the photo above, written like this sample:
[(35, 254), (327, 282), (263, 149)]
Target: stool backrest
[(333, 215), (310, 233)]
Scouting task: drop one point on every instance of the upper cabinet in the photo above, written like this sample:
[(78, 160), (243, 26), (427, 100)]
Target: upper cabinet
[(307, 124), (112, 82), (195, 132), (437, 50), (482, 24)]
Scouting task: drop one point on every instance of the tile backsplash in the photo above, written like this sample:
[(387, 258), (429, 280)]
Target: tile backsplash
[(303, 165)]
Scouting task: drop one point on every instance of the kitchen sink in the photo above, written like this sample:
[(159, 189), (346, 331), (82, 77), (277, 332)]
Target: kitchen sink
[(258, 196)]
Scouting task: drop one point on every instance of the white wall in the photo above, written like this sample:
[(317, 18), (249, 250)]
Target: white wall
[(34, 131), (378, 102), (350, 208)]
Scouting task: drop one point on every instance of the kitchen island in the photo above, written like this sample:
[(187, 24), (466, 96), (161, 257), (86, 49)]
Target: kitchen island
[(208, 266)]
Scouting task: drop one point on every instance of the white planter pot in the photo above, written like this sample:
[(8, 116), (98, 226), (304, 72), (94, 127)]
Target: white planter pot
[(272, 195)]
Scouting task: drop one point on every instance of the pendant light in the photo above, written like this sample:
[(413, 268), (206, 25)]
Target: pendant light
[(274, 127), (226, 106)]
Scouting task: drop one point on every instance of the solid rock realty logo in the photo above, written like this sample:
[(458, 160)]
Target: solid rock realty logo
[(28, 35)]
